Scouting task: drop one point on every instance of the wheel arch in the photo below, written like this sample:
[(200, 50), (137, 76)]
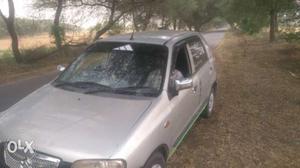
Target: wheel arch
[(164, 149)]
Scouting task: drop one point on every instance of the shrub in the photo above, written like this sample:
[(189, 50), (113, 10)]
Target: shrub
[(291, 37), (33, 54)]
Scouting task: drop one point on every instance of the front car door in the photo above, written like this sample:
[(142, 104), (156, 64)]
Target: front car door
[(185, 104), (201, 67)]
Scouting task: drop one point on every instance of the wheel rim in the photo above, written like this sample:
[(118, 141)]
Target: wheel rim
[(211, 103), (156, 166)]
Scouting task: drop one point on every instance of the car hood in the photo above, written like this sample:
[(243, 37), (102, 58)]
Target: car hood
[(72, 125)]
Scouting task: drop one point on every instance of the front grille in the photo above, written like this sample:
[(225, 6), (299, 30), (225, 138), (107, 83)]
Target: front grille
[(21, 160), (2, 162)]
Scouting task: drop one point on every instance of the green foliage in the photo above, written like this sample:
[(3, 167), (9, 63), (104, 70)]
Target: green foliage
[(289, 22), (5, 54), (194, 13), (116, 29), (6, 57), (27, 27), (251, 16), (291, 37), (30, 27), (58, 32)]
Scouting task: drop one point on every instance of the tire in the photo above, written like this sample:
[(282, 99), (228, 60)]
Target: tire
[(210, 105), (156, 160)]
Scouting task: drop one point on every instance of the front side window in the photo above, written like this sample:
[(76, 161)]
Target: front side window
[(123, 68), (198, 53)]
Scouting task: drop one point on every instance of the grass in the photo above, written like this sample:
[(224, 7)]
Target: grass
[(27, 42), (38, 61), (256, 119)]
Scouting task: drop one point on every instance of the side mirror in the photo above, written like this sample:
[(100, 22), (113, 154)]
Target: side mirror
[(183, 84), (60, 68)]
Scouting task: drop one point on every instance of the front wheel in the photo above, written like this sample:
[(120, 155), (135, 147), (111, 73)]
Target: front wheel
[(210, 105), (156, 160)]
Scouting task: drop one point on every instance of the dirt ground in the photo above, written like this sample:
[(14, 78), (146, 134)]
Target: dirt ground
[(257, 116)]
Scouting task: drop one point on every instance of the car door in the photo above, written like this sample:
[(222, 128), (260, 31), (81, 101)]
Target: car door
[(201, 68), (185, 104)]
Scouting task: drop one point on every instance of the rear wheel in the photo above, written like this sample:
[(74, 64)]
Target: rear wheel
[(210, 105), (156, 160)]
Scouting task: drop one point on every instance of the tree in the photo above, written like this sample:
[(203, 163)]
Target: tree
[(290, 22), (10, 24), (113, 17), (194, 13), (252, 15), (143, 12), (115, 9), (57, 31)]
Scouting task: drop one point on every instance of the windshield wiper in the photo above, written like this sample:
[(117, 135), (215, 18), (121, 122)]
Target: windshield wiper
[(137, 90), (59, 84), (82, 85)]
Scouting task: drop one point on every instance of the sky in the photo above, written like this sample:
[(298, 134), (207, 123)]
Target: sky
[(22, 7), (23, 10)]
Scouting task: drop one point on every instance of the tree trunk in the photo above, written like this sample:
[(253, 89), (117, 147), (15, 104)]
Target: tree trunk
[(276, 23), (112, 20), (58, 12), (110, 24), (135, 24), (14, 41), (272, 25), (174, 24), (10, 24), (149, 14), (99, 33), (56, 27)]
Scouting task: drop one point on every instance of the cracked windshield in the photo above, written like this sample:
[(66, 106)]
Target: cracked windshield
[(118, 67)]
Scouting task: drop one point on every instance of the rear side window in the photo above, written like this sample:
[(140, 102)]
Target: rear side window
[(197, 51)]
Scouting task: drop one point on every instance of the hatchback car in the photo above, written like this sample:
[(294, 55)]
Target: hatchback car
[(126, 102)]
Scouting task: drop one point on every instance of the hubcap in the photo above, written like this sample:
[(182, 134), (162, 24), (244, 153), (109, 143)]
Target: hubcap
[(211, 103), (156, 166)]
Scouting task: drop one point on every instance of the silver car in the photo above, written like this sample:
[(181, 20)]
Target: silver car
[(126, 102)]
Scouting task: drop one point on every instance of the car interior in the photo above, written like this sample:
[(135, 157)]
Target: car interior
[(182, 62)]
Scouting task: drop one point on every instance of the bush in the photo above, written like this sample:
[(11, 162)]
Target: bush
[(33, 54), (291, 37), (58, 32), (6, 56)]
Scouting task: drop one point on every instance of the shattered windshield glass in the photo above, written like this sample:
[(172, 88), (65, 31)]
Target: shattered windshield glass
[(118, 67)]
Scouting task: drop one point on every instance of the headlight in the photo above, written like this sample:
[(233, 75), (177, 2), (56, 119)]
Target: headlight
[(95, 163)]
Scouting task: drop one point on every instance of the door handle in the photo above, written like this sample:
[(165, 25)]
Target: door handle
[(200, 85)]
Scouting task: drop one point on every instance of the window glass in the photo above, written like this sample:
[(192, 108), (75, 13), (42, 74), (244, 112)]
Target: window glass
[(134, 68), (198, 53)]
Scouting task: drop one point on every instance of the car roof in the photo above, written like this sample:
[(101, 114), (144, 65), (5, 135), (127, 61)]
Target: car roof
[(151, 37)]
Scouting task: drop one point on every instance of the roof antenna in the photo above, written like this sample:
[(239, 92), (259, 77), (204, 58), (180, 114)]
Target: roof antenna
[(132, 34)]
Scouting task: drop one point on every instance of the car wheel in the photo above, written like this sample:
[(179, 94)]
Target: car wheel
[(210, 105), (156, 160)]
